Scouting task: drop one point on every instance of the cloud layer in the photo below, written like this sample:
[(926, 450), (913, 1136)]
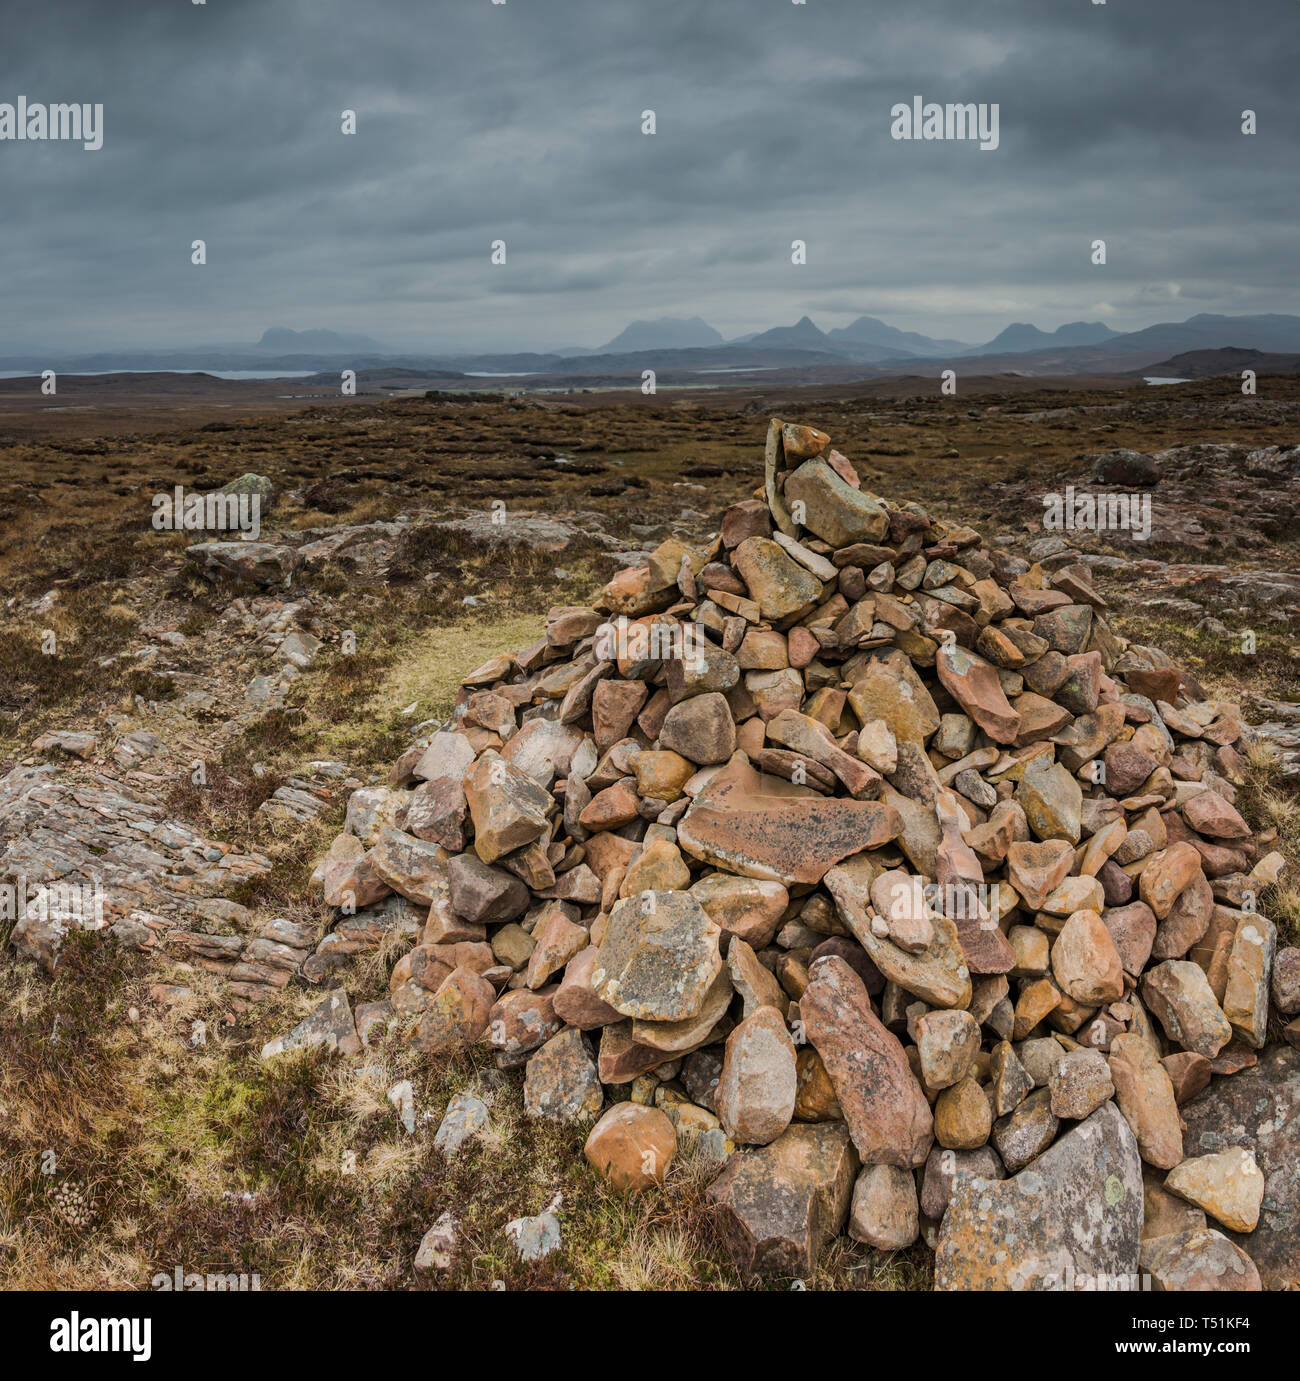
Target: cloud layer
[(522, 122)]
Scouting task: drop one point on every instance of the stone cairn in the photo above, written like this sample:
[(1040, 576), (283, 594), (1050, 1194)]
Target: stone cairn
[(865, 860)]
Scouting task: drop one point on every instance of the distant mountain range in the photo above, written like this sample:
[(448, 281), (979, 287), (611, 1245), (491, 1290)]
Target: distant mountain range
[(866, 339), (687, 345), (282, 341), (869, 330), (1020, 337), (667, 333)]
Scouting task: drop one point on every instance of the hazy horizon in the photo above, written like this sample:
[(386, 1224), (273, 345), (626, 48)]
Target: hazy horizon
[(391, 348)]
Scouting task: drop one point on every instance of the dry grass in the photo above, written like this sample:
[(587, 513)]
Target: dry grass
[(166, 1152)]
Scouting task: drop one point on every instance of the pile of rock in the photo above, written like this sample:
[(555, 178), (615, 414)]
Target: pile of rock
[(867, 860)]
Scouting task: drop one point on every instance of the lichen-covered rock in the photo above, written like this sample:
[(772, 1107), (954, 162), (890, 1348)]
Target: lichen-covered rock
[(938, 976), (943, 1165), (739, 824), (1259, 1109), (1080, 1083), (465, 1118), (1070, 1220), (457, 1014), (562, 1081), (1200, 1260), (659, 957), (834, 510), (947, 1042), (330, 1024), (779, 584)]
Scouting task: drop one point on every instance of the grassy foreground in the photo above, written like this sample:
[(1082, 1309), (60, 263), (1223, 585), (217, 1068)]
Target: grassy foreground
[(140, 1132)]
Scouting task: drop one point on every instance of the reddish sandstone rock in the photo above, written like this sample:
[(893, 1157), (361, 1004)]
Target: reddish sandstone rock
[(749, 908), (508, 808), (556, 940), (778, 1205), (614, 707), (1179, 997), (1189, 1074), (456, 1016), (1210, 814), (1128, 765), (1188, 919), (974, 684), (886, 1111), (480, 893), (632, 1146), (1145, 1096), (1085, 962), (756, 1092), (1036, 870), (1133, 929), (741, 825), (575, 1002), (519, 1022), (701, 729), (611, 808), (1166, 875)]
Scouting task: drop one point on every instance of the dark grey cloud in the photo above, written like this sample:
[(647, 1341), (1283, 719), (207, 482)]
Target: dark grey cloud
[(521, 122)]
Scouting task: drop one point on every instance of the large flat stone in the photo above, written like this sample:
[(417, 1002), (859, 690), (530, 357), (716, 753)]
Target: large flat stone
[(742, 823), (1067, 1219), (659, 957)]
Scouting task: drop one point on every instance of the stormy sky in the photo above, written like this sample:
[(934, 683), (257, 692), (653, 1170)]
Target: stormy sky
[(522, 122)]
